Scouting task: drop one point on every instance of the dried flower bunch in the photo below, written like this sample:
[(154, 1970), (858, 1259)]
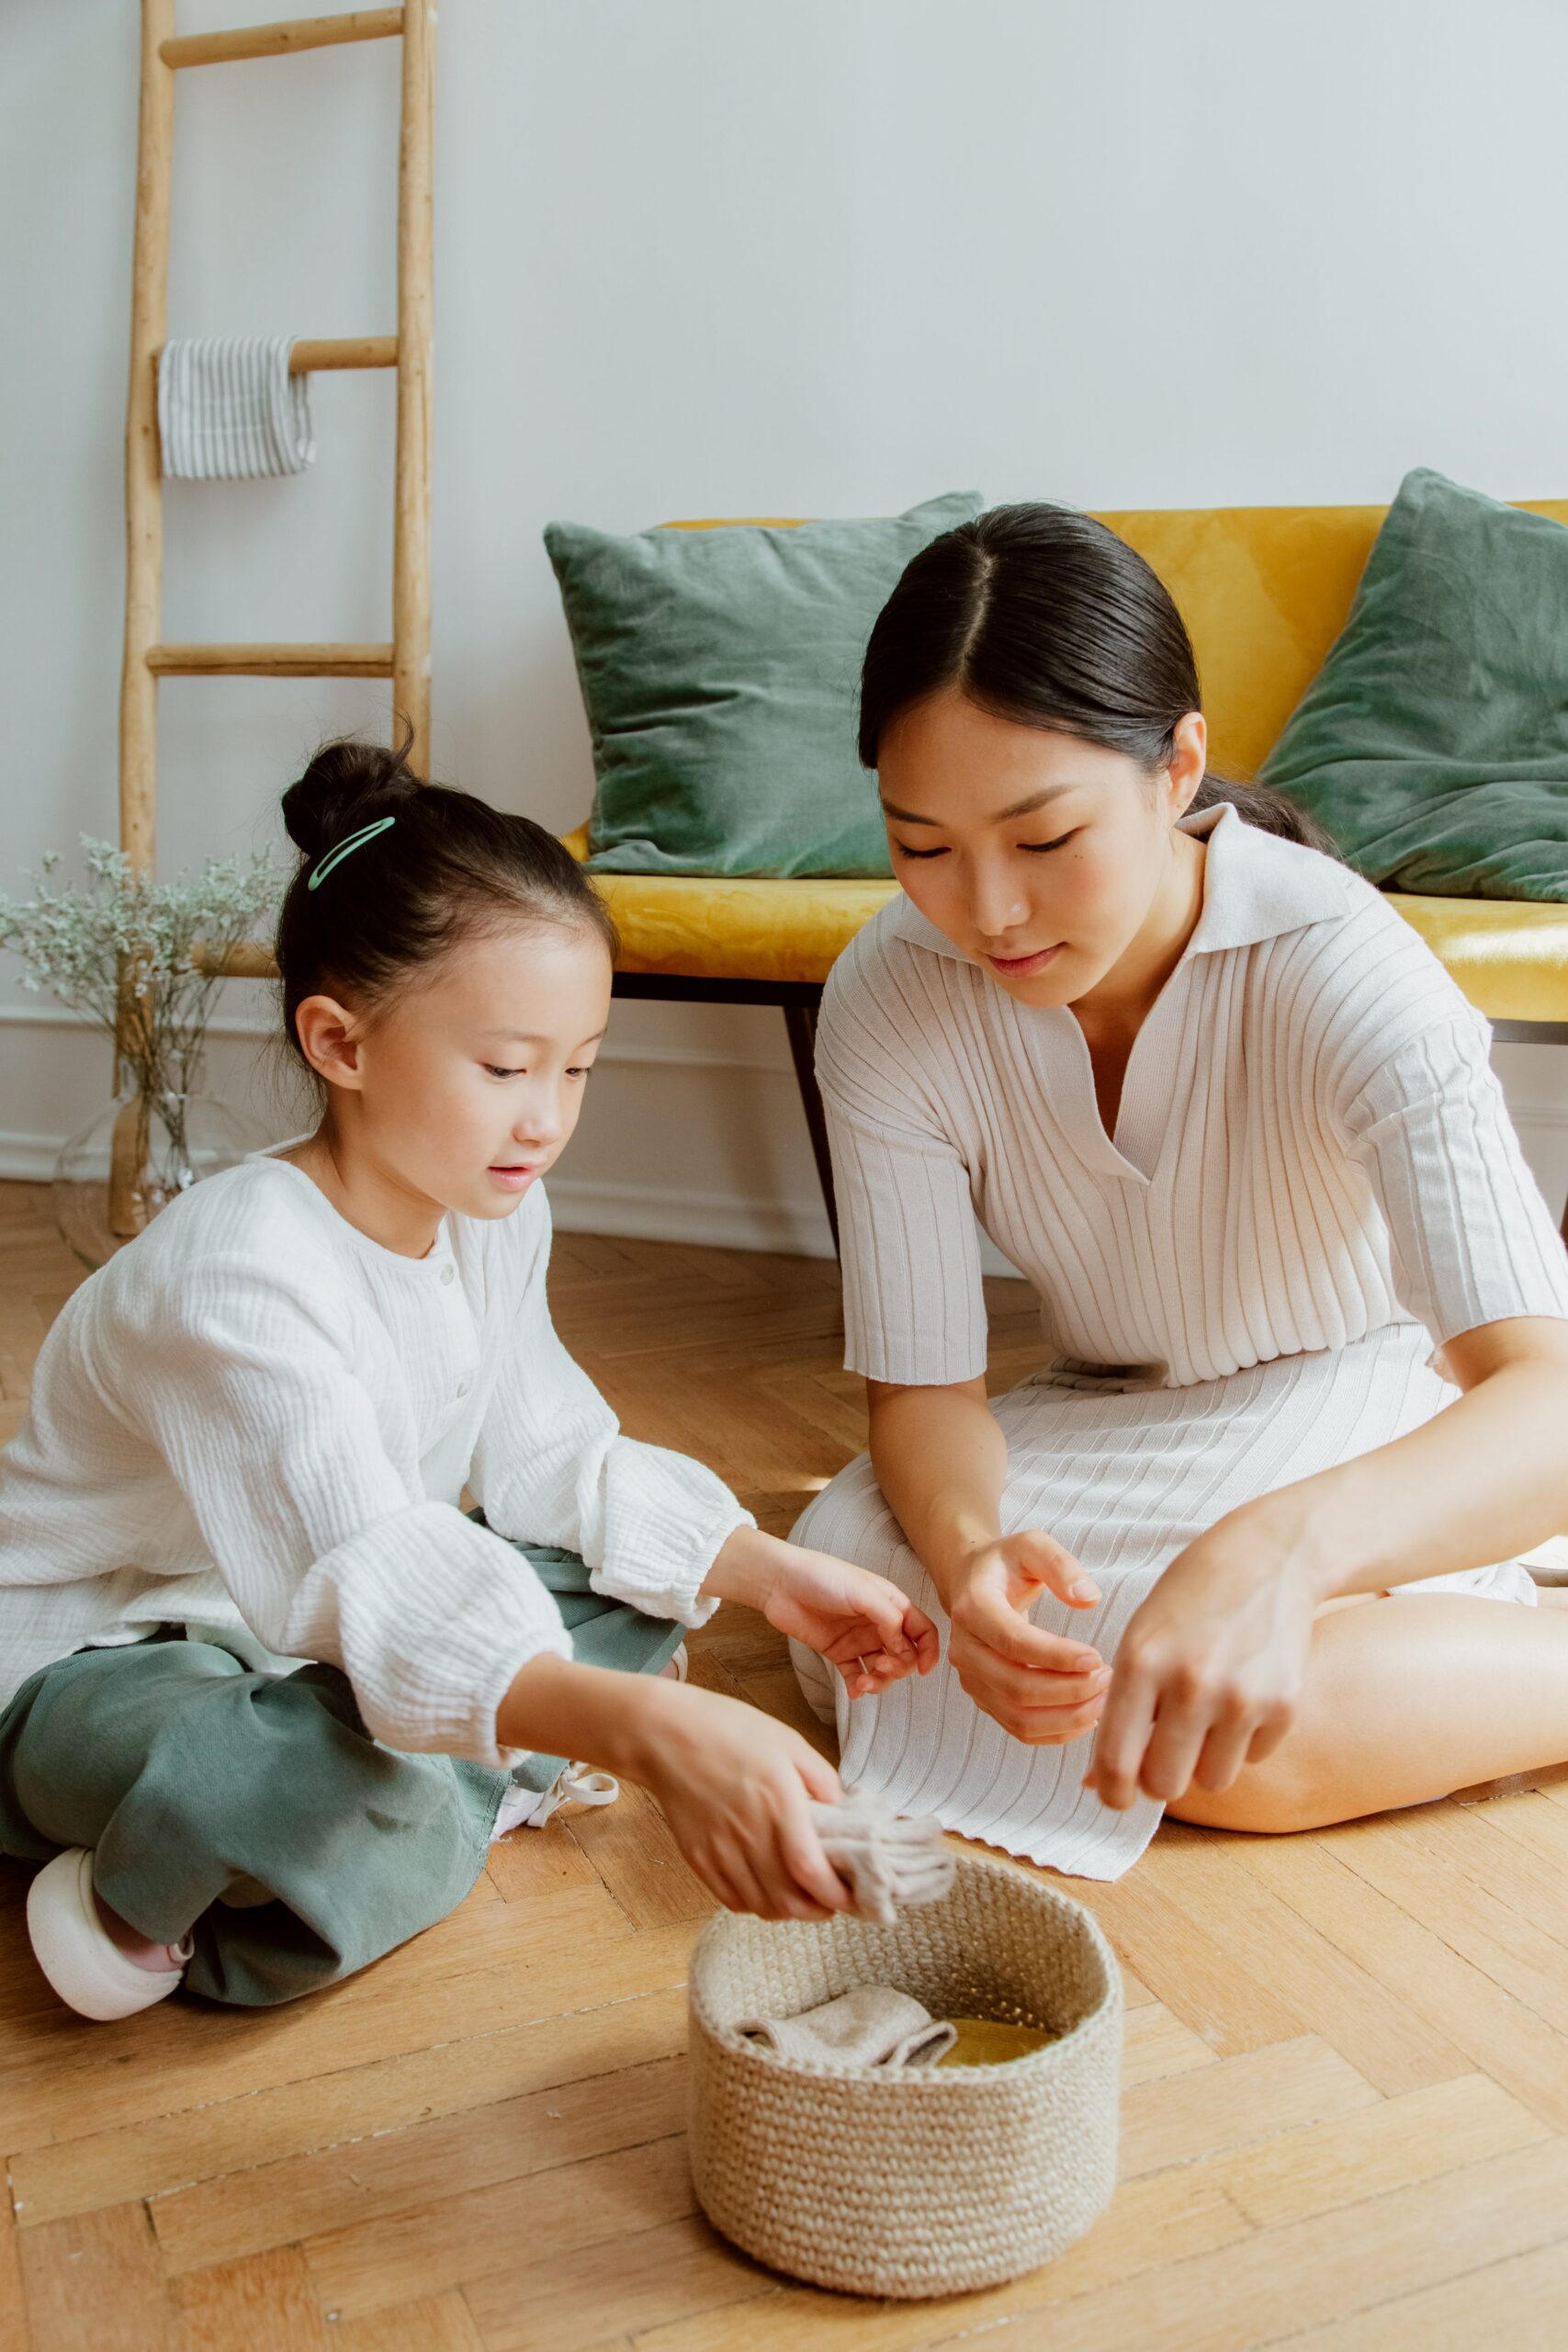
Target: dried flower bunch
[(86, 941)]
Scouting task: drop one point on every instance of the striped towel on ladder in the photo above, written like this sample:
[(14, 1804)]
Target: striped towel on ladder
[(229, 410)]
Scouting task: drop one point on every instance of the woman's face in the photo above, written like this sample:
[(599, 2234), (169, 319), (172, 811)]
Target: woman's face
[(1044, 858)]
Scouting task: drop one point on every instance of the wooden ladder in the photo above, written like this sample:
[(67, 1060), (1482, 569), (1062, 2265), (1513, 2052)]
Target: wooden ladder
[(406, 660)]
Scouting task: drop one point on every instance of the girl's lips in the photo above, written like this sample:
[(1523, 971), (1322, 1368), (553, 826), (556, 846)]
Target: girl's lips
[(1019, 966), (513, 1179)]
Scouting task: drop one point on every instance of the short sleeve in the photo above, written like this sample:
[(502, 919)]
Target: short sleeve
[(914, 1303), (1471, 1239)]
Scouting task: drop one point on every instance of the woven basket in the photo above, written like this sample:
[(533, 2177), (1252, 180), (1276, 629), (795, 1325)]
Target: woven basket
[(923, 2180)]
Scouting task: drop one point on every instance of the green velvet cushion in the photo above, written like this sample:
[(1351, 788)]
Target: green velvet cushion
[(719, 669), (1433, 743)]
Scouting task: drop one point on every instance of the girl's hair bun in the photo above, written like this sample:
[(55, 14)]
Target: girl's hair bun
[(347, 785)]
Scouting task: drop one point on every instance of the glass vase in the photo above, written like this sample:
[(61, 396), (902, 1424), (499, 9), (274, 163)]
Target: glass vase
[(134, 1156)]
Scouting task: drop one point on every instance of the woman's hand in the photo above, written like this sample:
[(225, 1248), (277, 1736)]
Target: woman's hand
[(1208, 1672), (734, 1785), (858, 1621), (1043, 1688)]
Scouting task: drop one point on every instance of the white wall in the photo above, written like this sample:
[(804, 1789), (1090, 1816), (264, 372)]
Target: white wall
[(822, 256)]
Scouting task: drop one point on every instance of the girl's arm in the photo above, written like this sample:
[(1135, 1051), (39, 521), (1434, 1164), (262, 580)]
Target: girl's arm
[(1211, 1666), (941, 1460), (858, 1621), (733, 1784)]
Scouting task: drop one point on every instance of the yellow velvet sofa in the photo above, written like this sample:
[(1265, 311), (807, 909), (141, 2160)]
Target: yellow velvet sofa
[(1264, 590)]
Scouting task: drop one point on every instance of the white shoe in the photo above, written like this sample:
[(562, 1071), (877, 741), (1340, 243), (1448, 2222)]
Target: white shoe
[(682, 1664), (573, 1785), (76, 1952)]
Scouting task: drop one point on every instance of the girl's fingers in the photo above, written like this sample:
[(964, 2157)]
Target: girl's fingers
[(804, 1863), (751, 1893), (817, 1776)]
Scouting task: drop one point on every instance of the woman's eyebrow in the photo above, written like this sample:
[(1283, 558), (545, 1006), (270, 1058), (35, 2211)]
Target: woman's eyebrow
[(1019, 809)]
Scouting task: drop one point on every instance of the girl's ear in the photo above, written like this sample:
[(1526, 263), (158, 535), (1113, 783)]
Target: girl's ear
[(1189, 752), (329, 1041)]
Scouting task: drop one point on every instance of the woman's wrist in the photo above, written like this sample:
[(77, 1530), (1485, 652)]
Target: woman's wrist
[(1293, 1533), (955, 1549)]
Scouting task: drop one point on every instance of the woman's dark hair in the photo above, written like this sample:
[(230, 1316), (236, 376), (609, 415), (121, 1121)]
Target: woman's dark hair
[(448, 867), (1042, 615)]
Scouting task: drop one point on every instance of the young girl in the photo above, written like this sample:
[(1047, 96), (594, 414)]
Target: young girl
[(248, 1439), (1304, 1309)]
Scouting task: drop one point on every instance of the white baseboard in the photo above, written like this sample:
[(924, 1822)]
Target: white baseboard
[(719, 1220)]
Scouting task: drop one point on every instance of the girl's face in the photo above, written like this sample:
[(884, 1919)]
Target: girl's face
[(1044, 858), (465, 1087)]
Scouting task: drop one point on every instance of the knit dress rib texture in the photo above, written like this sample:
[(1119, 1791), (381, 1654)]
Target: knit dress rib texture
[(1312, 1186)]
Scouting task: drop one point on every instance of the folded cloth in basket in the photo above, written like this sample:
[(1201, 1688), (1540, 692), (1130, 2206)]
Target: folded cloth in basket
[(229, 410), (871, 2025), (886, 1858)]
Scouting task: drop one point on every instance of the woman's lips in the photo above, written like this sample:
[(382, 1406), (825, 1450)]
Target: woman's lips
[(513, 1179), (1018, 968)]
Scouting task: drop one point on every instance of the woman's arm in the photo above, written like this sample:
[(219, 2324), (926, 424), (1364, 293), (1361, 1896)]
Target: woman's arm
[(941, 1460), (1211, 1666)]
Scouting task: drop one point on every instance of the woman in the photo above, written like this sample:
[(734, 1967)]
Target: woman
[(1305, 1314)]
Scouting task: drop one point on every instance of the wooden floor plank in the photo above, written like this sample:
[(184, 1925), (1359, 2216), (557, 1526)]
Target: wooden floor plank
[(1291, 2174), (1246, 2097), (265, 2300), (56, 2082), (1380, 2034), (1151, 2224), (1332, 2266), (449, 2157), (262, 2128), (1519, 2304), (1497, 2032), (94, 2283), (575, 2304), (438, 2323), (454, 2240), (1194, 1975)]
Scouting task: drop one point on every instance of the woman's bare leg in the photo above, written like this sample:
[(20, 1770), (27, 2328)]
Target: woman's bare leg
[(1404, 1700)]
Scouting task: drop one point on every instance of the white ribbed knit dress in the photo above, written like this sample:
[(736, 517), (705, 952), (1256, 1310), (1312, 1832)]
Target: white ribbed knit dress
[(1312, 1182)]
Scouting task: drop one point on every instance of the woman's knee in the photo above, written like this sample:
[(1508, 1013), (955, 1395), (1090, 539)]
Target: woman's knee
[(1279, 1798)]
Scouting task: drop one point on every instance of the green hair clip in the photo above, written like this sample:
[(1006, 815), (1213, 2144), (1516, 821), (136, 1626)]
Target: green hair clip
[(335, 856)]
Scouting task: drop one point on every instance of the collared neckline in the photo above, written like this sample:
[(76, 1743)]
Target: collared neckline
[(1255, 886)]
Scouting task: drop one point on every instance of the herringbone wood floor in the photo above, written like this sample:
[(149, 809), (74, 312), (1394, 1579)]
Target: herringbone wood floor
[(1347, 2082)]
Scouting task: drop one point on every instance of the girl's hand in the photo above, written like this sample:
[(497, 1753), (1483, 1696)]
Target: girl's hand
[(858, 1621), (1208, 1672), (1044, 1688), (734, 1786)]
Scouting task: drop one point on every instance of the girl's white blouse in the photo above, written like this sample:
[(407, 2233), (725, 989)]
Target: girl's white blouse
[(256, 1415)]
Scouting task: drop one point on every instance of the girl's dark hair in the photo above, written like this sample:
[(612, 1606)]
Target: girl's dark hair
[(448, 867), (1042, 615)]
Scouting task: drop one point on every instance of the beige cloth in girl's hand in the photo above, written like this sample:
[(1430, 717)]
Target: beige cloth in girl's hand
[(871, 2025), (886, 1858)]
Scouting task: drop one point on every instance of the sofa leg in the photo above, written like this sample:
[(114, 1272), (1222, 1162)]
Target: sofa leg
[(801, 1022)]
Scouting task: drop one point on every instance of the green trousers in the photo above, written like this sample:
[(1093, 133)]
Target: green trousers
[(254, 1809)]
